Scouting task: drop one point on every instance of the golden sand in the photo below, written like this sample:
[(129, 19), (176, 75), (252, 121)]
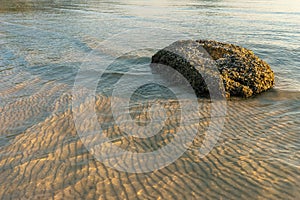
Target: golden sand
[(48, 160)]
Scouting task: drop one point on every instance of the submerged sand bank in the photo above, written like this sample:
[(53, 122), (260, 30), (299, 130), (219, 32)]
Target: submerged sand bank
[(49, 160)]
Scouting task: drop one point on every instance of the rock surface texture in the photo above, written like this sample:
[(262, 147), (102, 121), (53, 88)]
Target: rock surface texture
[(243, 74)]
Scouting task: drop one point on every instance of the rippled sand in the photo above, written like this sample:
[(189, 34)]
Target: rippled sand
[(256, 157), (42, 45)]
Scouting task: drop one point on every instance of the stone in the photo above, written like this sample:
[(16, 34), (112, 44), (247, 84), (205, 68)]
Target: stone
[(242, 73)]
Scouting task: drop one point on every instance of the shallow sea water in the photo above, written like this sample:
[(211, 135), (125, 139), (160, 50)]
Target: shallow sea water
[(44, 45)]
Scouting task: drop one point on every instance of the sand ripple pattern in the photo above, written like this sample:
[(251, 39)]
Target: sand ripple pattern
[(256, 157)]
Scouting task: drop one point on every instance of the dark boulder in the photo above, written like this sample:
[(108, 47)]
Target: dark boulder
[(243, 74)]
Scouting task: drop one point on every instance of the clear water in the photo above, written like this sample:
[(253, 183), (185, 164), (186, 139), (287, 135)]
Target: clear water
[(43, 44)]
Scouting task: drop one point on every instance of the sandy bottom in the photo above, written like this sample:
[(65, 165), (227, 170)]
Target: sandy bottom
[(256, 157)]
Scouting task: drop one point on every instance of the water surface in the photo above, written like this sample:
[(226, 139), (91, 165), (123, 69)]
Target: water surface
[(43, 44)]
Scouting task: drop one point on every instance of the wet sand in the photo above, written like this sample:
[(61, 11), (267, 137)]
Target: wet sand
[(42, 46), (252, 159)]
